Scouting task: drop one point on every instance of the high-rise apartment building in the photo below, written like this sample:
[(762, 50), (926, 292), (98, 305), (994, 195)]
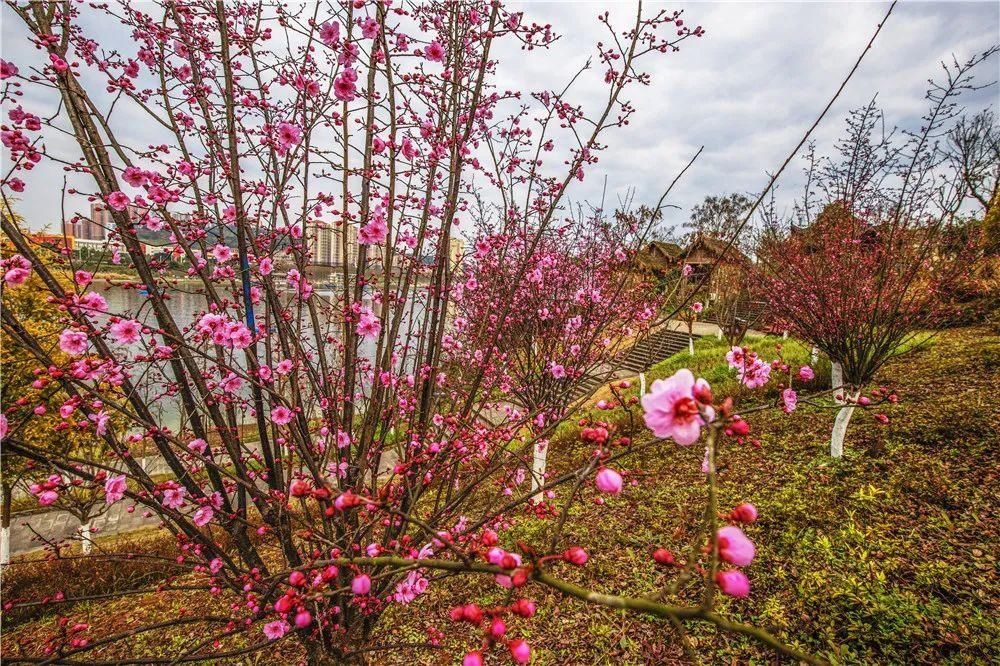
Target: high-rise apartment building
[(326, 244)]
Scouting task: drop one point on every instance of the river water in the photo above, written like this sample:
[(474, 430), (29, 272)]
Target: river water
[(186, 306)]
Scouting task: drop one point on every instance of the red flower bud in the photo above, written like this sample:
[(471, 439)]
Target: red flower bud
[(744, 513), (473, 614), (523, 608), (519, 578), (664, 557), (284, 604), (738, 427), (703, 393)]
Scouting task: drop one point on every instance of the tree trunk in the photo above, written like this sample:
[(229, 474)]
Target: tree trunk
[(837, 381), (840, 426), (86, 544), (784, 334), (5, 502), (718, 334), (538, 468), (690, 345), (814, 356), (642, 384), (318, 654)]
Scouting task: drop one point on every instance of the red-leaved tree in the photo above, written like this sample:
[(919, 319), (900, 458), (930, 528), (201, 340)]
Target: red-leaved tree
[(865, 275)]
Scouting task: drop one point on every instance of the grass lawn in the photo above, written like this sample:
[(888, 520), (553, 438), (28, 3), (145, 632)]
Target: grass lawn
[(888, 555)]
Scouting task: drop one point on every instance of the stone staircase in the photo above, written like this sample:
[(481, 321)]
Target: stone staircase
[(649, 351), (752, 311), (654, 348)]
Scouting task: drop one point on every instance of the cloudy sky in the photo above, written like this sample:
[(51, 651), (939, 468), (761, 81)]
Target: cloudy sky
[(746, 91)]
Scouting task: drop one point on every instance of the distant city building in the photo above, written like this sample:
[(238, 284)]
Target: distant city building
[(54, 241), (87, 248), (97, 226), (456, 247), (93, 228), (326, 244)]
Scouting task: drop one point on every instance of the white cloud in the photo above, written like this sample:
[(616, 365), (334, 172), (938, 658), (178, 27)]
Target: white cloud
[(747, 90)]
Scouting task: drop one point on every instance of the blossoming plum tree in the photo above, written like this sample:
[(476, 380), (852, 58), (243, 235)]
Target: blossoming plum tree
[(573, 315), (337, 443)]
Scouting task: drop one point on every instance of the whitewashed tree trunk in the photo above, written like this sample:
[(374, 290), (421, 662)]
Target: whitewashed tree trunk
[(5, 500), (538, 468), (718, 334), (85, 539), (814, 356), (784, 335), (840, 426), (837, 381), (642, 384), (691, 345)]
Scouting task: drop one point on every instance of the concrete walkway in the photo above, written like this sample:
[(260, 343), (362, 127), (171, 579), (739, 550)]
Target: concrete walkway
[(29, 530), (60, 525)]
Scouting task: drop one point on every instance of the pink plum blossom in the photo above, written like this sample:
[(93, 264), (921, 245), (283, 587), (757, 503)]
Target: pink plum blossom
[(203, 516), (368, 324), (345, 87), (734, 546), (409, 589), (47, 497), (288, 135), (275, 630), (72, 342), (114, 488), (15, 277), (173, 498), (222, 253), (733, 583), (789, 400), (735, 357), (7, 69), (671, 409), (434, 51), (281, 415), (374, 232), (608, 481), (118, 200), (329, 33), (126, 331)]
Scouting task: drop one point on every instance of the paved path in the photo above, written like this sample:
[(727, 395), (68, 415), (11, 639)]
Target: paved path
[(59, 525)]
